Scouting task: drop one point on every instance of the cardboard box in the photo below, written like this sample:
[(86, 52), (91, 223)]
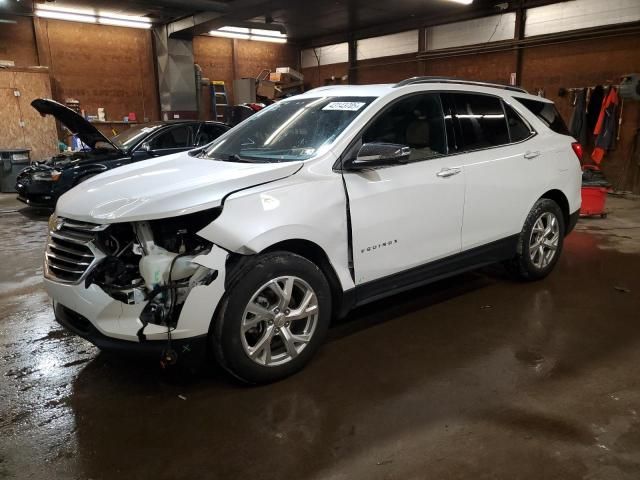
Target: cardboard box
[(267, 88), (291, 72), (278, 77)]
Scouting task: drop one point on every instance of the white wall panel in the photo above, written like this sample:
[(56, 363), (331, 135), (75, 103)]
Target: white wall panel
[(338, 53), (387, 45), (471, 32), (576, 14)]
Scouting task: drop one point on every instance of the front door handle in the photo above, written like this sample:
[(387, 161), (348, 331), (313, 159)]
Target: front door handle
[(448, 172), (530, 155)]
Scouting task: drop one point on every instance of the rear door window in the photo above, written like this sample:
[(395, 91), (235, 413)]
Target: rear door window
[(481, 121), (518, 128), (547, 113)]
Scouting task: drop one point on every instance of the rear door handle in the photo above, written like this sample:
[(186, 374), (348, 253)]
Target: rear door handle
[(531, 155), (448, 172)]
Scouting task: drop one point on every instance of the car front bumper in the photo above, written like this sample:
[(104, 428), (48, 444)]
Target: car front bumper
[(194, 347), (36, 193), (111, 324)]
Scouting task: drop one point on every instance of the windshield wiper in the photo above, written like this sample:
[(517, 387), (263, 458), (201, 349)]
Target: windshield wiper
[(237, 158), (234, 157)]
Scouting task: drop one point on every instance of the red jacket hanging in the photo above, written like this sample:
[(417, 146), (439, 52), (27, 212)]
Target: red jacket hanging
[(606, 127)]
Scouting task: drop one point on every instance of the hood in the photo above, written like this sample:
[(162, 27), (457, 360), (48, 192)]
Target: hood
[(164, 187), (78, 125)]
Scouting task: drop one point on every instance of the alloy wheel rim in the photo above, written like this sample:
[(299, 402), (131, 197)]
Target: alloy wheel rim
[(544, 240), (279, 321)]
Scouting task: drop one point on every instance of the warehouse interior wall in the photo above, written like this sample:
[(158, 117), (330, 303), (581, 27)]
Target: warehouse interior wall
[(17, 42), (588, 63), (100, 65), (225, 59), (112, 67)]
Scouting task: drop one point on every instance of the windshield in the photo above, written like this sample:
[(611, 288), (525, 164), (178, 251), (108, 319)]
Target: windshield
[(130, 138), (296, 129)]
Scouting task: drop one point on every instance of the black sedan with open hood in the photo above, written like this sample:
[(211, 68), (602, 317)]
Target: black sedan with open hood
[(40, 184)]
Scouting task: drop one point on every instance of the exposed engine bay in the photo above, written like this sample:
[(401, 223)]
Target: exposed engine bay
[(152, 261)]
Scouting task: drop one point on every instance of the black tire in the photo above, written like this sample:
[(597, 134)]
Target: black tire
[(522, 266), (243, 283)]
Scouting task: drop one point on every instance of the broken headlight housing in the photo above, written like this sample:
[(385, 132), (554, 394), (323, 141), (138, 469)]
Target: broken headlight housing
[(152, 261)]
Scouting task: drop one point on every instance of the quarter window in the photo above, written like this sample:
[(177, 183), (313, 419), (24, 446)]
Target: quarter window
[(481, 121), (518, 129), (415, 121), (547, 113)]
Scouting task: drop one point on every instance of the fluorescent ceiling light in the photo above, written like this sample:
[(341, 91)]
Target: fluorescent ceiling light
[(123, 23), (463, 2), (218, 33), (267, 33), (55, 8), (74, 17), (244, 33), (92, 16), (259, 38), (234, 29), (119, 16)]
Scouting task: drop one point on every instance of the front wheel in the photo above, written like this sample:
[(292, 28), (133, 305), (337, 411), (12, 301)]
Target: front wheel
[(540, 241), (274, 317)]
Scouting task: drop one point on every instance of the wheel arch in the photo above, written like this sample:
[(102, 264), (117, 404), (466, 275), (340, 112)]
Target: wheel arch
[(562, 201), (314, 253)]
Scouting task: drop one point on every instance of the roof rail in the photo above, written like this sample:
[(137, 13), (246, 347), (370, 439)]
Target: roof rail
[(417, 80)]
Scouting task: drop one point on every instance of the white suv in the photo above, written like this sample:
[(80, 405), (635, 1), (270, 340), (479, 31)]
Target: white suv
[(315, 205)]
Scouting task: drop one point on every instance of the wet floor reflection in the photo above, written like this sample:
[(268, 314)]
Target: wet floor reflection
[(477, 376)]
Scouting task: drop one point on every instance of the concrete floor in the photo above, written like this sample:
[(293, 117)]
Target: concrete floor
[(475, 377)]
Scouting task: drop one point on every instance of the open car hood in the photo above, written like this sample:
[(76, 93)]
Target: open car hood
[(87, 132), (164, 187)]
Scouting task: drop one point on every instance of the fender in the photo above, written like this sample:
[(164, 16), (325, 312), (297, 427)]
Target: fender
[(81, 171), (254, 219)]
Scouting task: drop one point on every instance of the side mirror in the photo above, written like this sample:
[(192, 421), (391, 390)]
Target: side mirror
[(145, 147), (373, 155)]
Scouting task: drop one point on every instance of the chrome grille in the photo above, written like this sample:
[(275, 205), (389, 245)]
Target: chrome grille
[(70, 249)]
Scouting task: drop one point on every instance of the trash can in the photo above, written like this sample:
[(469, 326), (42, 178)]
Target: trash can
[(12, 162), (594, 192)]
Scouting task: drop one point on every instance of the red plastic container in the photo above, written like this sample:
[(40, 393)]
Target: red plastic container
[(593, 201)]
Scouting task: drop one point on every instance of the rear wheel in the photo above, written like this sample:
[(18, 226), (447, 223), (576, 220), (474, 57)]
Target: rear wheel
[(273, 318), (540, 241)]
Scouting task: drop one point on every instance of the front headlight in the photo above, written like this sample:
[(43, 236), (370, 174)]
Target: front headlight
[(47, 176)]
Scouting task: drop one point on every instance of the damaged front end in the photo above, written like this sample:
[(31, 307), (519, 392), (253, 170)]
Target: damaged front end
[(161, 273)]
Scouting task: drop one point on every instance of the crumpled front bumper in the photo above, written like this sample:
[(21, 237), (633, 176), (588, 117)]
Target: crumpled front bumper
[(94, 315), (193, 347)]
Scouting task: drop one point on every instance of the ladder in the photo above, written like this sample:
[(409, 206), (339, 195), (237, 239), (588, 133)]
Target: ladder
[(219, 101)]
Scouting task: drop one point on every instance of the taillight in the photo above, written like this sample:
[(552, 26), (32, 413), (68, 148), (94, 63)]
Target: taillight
[(577, 149)]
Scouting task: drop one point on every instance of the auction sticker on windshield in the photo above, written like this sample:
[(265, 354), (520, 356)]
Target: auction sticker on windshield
[(344, 106)]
